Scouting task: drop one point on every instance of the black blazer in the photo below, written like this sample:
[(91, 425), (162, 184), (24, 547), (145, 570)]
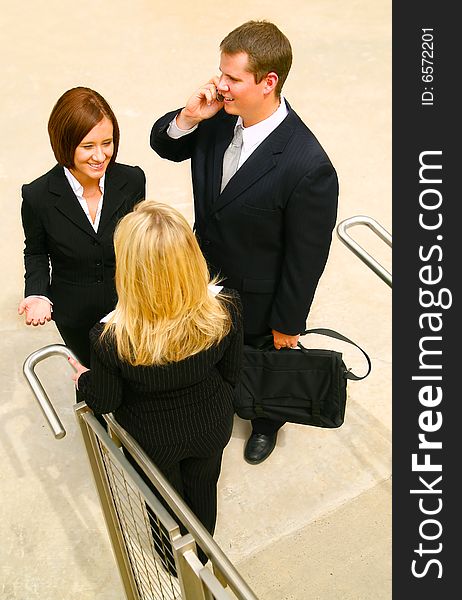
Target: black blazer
[(58, 234), (269, 232), (169, 404)]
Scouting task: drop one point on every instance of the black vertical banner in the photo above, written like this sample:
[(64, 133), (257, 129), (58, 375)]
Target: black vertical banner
[(427, 319)]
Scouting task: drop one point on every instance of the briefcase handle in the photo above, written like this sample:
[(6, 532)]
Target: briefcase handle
[(334, 334)]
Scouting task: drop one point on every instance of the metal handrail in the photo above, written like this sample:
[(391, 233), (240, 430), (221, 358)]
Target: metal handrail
[(181, 509), (359, 250), (37, 389), (219, 559)]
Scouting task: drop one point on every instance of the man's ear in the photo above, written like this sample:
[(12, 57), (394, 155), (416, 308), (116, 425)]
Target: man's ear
[(271, 80)]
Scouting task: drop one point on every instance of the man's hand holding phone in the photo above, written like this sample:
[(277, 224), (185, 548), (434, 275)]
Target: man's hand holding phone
[(203, 104)]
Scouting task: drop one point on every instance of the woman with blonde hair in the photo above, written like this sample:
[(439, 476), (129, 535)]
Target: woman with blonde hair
[(167, 358)]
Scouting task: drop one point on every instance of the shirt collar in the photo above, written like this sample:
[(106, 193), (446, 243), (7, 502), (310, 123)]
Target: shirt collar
[(257, 133), (77, 187)]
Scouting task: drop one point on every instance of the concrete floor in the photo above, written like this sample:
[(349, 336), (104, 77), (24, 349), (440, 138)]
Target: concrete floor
[(313, 521)]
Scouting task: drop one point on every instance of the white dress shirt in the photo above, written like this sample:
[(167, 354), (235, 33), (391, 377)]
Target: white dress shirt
[(77, 188), (254, 135)]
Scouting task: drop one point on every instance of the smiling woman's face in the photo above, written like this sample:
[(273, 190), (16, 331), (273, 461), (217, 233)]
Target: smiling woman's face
[(94, 152)]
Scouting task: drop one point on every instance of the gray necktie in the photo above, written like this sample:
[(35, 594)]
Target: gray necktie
[(231, 157)]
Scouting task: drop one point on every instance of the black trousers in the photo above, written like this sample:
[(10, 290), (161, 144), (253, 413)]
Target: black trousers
[(262, 424), (196, 482), (193, 468), (77, 339), (197, 485)]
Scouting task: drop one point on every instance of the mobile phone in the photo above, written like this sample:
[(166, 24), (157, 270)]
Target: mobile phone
[(220, 98)]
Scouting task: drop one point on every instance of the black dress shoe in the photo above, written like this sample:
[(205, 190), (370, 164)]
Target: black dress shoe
[(259, 446)]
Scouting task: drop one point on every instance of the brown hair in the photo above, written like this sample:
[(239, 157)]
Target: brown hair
[(266, 46), (73, 116)]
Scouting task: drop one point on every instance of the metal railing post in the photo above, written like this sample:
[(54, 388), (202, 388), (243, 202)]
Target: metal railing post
[(107, 504), (189, 567), (358, 250), (37, 389)]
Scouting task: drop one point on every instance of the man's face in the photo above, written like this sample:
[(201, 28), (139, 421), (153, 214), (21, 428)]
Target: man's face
[(242, 96)]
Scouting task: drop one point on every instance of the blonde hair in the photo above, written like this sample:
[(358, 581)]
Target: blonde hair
[(165, 310)]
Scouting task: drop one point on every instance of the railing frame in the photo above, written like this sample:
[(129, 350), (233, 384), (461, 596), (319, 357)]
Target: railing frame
[(196, 581), (358, 250)]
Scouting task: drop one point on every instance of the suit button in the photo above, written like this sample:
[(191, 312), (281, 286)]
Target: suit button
[(99, 263), (95, 243)]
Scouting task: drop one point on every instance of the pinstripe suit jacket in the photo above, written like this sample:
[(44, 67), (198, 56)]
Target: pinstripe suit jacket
[(58, 234), (169, 404), (270, 230)]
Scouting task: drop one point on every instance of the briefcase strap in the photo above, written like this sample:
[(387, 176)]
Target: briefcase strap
[(334, 334)]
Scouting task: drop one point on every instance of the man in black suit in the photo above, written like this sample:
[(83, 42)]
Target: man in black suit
[(266, 229)]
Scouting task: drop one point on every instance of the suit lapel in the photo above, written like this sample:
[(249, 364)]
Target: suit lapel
[(68, 205), (66, 202), (262, 160), (113, 197)]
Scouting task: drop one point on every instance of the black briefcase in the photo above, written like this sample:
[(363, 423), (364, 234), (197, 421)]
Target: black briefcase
[(302, 385)]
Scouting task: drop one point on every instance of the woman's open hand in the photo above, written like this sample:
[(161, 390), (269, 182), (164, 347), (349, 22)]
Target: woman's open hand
[(38, 310)]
